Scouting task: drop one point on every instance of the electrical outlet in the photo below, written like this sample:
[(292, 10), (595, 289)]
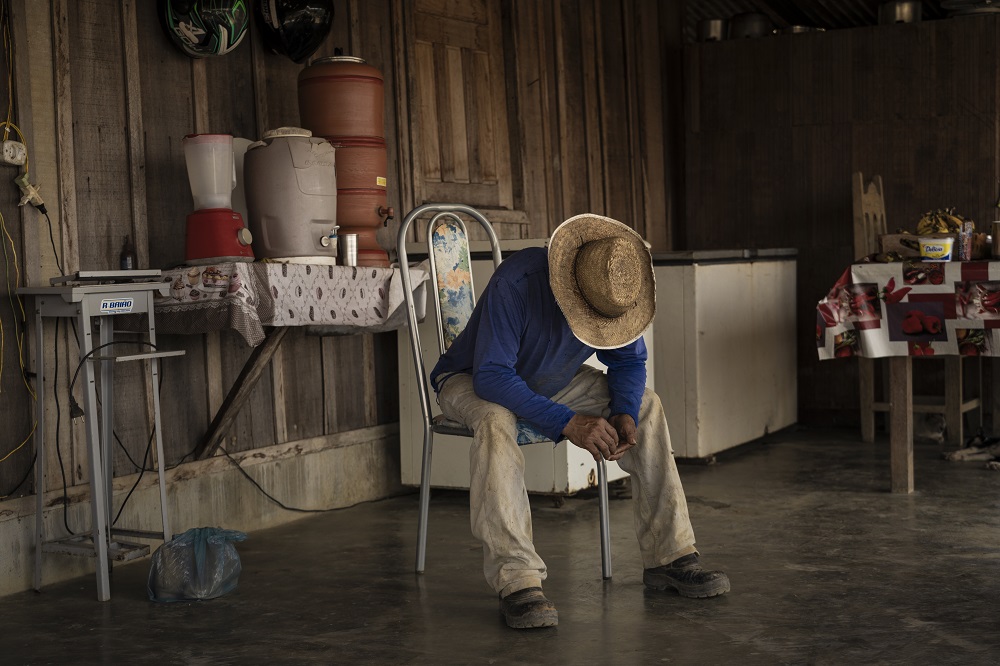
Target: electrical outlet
[(29, 192), (13, 152)]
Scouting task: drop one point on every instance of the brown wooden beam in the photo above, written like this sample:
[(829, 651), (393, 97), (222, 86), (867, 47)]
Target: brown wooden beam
[(240, 392)]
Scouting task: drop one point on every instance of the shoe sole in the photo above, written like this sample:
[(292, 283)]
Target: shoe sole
[(713, 589), (534, 620)]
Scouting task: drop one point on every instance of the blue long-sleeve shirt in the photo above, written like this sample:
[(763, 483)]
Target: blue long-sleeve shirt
[(520, 350)]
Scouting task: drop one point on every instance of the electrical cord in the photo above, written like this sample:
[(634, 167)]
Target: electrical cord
[(18, 334), (128, 455), (19, 325), (62, 468), (264, 492), (79, 365), (74, 406), (153, 469), (114, 434), (142, 470), (23, 442), (142, 467), (15, 306), (52, 240), (75, 410), (149, 443), (8, 47), (23, 479), (19, 328)]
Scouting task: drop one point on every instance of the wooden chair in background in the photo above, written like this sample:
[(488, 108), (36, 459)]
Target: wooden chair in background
[(869, 223), (869, 214)]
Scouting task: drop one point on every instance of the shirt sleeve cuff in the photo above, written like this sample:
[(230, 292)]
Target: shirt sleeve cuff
[(554, 432), (630, 409)]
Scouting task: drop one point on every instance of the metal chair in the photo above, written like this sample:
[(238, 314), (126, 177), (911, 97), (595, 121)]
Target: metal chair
[(454, 299)]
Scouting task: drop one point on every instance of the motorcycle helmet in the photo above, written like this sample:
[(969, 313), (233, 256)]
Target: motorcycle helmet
[(294, 28), (203, 28)]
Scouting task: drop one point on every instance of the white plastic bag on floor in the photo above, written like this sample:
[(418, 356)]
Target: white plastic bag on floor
[(201, 563)]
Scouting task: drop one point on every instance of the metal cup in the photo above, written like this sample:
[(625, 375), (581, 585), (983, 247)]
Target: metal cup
[(348, 249)]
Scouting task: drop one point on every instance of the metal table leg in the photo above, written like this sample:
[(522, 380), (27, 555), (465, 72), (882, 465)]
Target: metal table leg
[(98, 492), (39, 443), (154, 378), (107, 336)]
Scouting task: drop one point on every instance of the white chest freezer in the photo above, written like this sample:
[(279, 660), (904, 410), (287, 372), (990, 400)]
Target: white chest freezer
[(725, 346)]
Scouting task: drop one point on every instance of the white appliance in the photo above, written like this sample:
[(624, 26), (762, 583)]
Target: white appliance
[(209, 160), (214, 231), (290, 177), (725, 346), (561, 469)]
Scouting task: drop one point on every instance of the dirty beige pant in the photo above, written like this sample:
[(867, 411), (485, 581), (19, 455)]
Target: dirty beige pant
[(501, 515)]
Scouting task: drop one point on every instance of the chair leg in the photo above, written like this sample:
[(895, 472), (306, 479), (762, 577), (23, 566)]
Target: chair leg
[(954, 435), (977, 418), (602, 488), (994, 392), (425, 499)]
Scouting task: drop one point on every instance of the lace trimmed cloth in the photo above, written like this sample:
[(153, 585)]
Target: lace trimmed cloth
[(246, 297)]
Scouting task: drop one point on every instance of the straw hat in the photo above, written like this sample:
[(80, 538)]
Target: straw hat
[(601, 273)]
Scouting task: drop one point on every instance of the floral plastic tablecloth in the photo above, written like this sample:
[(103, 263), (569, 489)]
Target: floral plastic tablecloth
[(912, 308), (246, 297)]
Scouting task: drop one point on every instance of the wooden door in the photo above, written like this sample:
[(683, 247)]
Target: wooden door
[(456, 110)]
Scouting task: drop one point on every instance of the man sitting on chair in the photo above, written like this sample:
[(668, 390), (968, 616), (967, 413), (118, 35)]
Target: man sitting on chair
[(521, 356)]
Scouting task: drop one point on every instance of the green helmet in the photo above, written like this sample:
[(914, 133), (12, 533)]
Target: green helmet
[(203, 28)]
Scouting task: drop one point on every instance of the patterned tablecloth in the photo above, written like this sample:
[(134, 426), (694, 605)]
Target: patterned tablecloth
[(246, 297), (912, 308)]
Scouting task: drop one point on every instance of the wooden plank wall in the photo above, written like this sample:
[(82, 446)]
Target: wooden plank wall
[(776, 126), (16, 403), (593, 100), (591, 87), (123, 108), (587, 90)]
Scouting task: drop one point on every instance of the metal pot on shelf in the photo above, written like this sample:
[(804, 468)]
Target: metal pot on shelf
[(750, 25), (797, 29), (712, 30), (899, 11)]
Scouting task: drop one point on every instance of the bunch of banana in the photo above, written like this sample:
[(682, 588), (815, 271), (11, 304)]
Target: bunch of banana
[(941, 221)]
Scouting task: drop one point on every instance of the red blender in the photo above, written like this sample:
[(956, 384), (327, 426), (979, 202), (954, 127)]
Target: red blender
[(215, 232)]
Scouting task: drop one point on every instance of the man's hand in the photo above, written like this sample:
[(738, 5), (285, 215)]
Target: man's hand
[(624, 426), (594, 434)]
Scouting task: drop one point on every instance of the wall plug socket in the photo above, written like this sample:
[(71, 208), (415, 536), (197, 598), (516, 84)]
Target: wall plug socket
[(13, 152)]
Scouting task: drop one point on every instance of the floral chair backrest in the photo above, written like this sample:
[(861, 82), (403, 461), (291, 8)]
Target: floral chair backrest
[(453, 266)]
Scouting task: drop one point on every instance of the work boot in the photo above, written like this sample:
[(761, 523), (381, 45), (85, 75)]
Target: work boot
[(528, 608), (687, 577)]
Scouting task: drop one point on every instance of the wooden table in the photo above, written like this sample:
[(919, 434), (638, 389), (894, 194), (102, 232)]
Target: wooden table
[(912, 309), (260, 301)]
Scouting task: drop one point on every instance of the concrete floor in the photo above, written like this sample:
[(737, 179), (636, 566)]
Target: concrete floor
[(827, 567)]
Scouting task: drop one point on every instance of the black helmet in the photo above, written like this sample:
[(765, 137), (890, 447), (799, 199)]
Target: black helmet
[(205, 27), (295, 28)]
